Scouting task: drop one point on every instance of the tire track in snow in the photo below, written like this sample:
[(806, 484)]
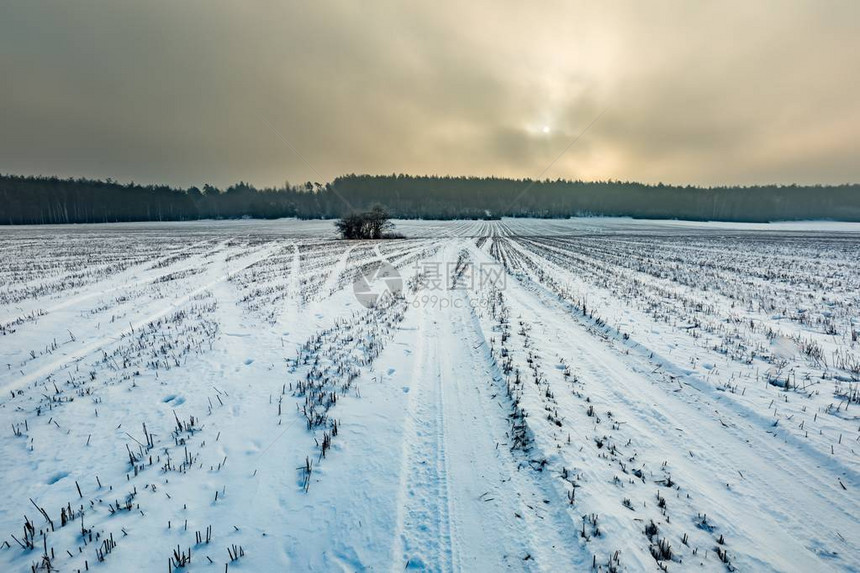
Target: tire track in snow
[(463, 501), (534, 535), (423, 538), (331, 281), (290, 316)]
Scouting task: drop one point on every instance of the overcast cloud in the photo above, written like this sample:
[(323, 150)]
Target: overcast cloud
[(192, 92)]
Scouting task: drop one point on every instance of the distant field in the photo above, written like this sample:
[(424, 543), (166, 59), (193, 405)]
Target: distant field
[(550, 395)]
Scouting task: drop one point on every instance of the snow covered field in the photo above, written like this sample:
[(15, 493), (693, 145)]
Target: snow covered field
[(554, 395)]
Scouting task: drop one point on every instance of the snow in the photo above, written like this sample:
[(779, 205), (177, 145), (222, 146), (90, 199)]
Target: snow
[(627, 395)]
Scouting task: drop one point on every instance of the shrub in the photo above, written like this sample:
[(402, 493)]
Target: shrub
[(372, 224)]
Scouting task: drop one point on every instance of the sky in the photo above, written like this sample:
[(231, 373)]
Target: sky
[(193, 92)]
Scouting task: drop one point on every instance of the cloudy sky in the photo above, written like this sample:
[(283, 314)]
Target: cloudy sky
[(218, 91)]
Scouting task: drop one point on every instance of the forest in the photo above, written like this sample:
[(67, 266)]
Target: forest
[(52, 200)]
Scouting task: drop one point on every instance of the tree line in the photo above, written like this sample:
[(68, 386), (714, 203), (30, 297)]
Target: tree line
[(47, 200)]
